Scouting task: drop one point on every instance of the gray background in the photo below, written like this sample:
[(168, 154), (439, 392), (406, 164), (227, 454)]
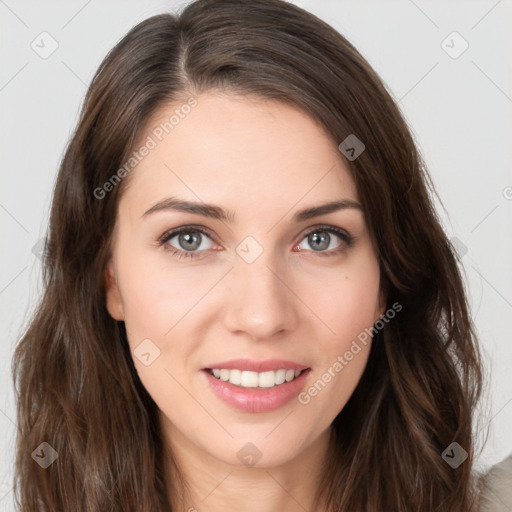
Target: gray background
[(458, 108)]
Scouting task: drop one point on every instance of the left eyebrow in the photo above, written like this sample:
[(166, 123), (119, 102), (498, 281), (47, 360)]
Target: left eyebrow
[(216, 212), (326, 208)]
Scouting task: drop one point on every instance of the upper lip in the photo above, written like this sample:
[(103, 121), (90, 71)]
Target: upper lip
[(256, 366)]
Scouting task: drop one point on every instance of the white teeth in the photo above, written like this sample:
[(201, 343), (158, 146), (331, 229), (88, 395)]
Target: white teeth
[(249, 379), (235, 377), (280, 376), (266, 379)]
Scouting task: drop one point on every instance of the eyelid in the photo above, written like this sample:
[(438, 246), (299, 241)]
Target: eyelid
[(189, 227), (327, 227)]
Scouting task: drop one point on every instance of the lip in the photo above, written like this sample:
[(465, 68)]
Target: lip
[(256, 399), (252, 365)]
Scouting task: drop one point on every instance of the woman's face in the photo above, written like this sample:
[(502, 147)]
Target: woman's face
[(261, 282)]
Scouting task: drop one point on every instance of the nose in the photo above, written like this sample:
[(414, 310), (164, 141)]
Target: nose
[(261, 302)]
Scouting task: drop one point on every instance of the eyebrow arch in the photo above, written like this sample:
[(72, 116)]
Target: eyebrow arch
[(207, 210), (215, 212), (324, 209)]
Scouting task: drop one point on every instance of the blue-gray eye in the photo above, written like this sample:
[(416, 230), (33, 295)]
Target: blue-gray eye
[(324, 239), (191, 240)]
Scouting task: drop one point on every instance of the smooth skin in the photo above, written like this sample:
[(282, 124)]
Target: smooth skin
[(262, 161)]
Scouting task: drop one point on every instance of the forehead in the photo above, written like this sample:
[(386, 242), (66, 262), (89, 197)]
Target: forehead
[(238, 151)]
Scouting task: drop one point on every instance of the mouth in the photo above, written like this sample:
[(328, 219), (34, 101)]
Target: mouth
[(250, 379), (256, 386)]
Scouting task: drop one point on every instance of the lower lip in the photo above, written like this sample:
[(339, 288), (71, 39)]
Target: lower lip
[(256, 399)]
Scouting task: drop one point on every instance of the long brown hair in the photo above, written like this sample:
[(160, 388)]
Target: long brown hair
[(76, 384)]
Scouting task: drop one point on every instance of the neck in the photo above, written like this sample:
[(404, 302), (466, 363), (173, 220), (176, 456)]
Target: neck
[(213, 485)]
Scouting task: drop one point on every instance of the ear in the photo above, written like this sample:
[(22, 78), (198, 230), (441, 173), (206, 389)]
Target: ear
[(113, 296)]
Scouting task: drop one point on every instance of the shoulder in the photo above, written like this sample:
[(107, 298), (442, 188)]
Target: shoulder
[(496, 488)]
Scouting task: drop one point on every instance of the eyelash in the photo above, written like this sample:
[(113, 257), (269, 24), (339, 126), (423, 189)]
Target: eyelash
[(162, 241)]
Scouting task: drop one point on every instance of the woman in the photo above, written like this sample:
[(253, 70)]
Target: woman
[(249, 303)]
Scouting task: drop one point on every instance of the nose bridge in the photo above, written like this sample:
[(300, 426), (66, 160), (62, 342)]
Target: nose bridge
[(259, 303)]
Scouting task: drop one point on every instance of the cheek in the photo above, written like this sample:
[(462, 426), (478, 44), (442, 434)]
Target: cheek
[(155, 294), (348, 305), (146, 314), (346, 301)]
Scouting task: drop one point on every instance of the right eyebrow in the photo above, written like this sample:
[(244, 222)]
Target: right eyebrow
[(206, 210)]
